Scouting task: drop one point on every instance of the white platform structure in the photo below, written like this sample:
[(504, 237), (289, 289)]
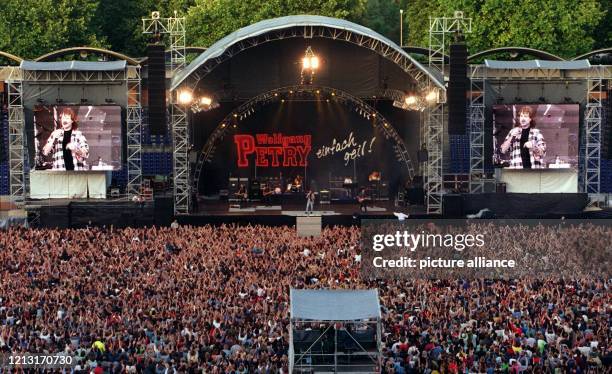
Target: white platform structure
[(68, 185), (335, 331), (540, 180)]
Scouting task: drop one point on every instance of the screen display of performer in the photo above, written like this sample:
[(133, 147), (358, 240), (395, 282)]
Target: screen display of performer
[(77, 138), (535, 136)]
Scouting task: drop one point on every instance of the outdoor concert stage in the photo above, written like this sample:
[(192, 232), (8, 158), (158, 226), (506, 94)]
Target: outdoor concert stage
[(285, 213), (64, 213), (78, 213)]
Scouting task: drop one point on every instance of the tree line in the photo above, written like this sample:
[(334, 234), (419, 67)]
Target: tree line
[(30, 28)]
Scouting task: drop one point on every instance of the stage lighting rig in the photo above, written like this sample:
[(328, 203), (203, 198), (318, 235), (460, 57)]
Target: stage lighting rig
[(185, 97), (432, 96), (310, 64)]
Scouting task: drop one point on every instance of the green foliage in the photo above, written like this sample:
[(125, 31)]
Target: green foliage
[(210, 20), (30, 28), (383, 16), (562, 27)]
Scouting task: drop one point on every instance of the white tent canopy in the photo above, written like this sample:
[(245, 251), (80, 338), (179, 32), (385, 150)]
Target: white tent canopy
[(73, 65), (538, 64), (334, 305)]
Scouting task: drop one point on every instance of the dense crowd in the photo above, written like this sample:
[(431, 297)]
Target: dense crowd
[(216, 300)]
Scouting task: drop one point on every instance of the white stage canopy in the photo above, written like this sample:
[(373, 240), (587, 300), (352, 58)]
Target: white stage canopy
[(334, 305), (73, 65)]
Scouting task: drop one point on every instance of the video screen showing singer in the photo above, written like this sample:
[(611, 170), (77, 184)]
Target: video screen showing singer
[(524, 142), (67, 144)]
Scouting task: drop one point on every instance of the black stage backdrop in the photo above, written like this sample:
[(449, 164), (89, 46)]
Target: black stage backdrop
[(358, 150)]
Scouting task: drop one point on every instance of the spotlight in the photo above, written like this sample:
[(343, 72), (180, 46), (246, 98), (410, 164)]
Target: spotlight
[(235, 115), (185, 97), (411, 100), (223, 125), (314, 62), (432, 96), (318, 92), (333, 94), (205, 100), (306, 63), (374, 115), (282, 100), (275, 94)]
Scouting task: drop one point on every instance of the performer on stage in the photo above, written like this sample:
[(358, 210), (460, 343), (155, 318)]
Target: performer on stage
[(362, 199), (310, 199), (241, 194), (525, 142), (69, 145)]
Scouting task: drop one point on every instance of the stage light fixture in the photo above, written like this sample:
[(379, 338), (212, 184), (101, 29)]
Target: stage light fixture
[(185, 97), (306, 63), (282, 100), (314, 62), (275, 94), (411, 100), (432, 96), (235, 115), (205, 100)]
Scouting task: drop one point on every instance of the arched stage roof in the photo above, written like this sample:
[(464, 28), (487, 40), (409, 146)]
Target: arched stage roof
[(592, 53), (242, 37), (11, 57), (101, 51), (543, 55)]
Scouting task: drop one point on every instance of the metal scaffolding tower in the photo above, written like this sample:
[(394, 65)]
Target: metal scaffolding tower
[(134, 130), (477, 121), (16, 139), (173, 27), (593, 122), (182, 169), (438, 29)]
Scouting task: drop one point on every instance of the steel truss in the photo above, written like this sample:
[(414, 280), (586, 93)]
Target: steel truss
[(477, 122), (593, 121), (589, 174), (434, 123), (424, 81), (180, 137), (399, 57), (134, 130), (17, 150), (129, 76), (298, 92), (175, 28)]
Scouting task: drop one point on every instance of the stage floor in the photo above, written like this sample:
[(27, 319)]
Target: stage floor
[(292, 209)]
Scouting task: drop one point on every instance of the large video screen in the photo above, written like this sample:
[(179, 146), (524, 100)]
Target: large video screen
[(77, 138), (536, 136)]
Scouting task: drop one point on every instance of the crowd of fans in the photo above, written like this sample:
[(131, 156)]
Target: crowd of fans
[(216, 300)]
